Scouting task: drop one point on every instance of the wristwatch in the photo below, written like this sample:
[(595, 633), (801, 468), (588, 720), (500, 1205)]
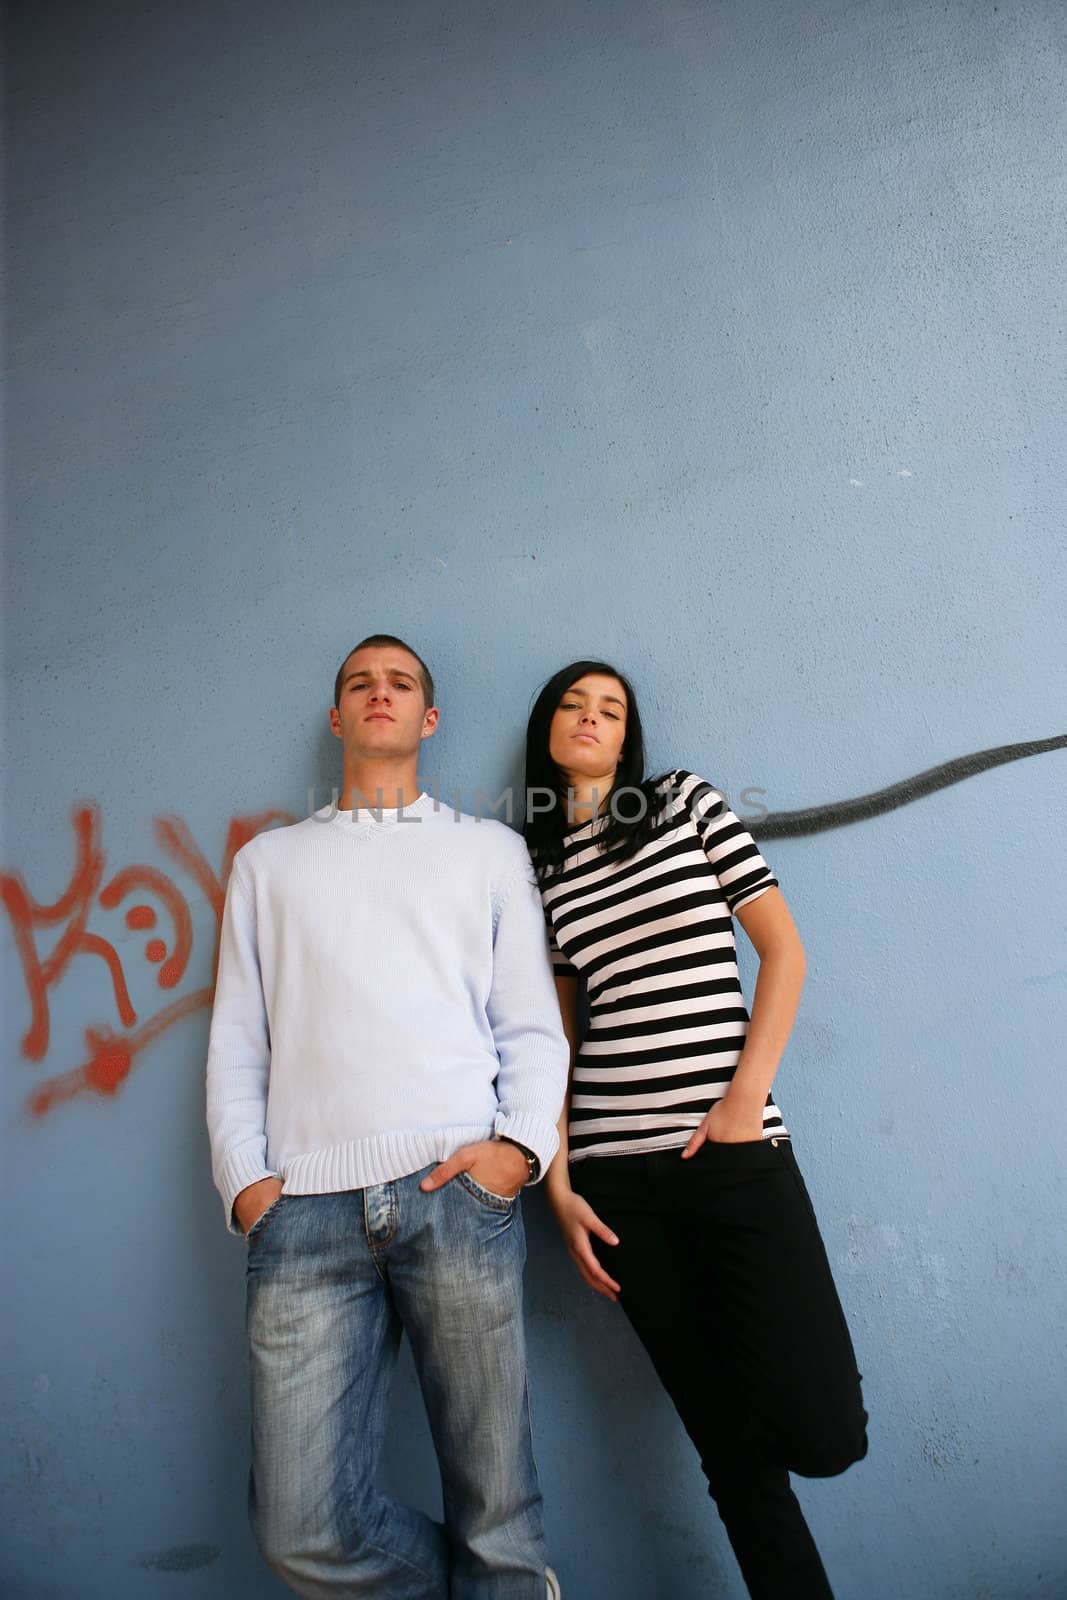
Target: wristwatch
[(533, 1162)]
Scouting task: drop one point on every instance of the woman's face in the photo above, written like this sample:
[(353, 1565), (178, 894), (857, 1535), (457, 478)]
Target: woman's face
[(588, 730)]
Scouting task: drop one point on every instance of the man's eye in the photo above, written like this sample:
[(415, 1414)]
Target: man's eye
[(399, 685)]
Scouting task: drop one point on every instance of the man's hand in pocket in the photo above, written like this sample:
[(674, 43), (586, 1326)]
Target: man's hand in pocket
[(253, 1201)]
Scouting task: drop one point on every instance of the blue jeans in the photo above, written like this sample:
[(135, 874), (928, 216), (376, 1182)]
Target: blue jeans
[(333, 1281)]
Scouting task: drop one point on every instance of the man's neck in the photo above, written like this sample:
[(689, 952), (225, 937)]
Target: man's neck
[(378, 785)]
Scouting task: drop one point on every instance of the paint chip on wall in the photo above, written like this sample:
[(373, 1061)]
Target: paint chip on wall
[(183, 1558)]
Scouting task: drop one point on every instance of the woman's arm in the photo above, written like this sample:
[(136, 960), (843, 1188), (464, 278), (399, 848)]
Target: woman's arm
[(576, 1218), (738, 1116), (557, 1181)]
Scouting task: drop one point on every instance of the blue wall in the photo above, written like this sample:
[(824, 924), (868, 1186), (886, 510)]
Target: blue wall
[(725, 339)]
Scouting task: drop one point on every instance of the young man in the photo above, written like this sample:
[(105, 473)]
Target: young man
[(385, 1073)]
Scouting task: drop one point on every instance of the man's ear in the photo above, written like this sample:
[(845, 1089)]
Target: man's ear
[(429, 722), (335, 722)]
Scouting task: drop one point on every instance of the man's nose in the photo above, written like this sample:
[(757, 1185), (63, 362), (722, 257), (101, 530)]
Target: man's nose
[(380, 691)]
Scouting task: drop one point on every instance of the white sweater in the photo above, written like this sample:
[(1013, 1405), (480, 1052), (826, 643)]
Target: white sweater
[(384, 996)]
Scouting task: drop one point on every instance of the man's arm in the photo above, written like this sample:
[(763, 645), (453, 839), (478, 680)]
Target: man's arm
[(238, 1065), (523, 1011), (531, 1046)]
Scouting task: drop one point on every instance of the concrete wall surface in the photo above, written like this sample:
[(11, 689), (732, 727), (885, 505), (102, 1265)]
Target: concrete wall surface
[(723, 339)]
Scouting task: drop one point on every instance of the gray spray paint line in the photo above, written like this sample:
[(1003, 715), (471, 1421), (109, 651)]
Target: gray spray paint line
[(839, 813)]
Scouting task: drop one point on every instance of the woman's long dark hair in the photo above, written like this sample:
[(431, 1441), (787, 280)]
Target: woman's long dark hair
[(622, 835)]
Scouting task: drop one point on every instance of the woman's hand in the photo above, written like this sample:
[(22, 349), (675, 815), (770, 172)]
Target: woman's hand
[(728, 1122), (577, 1220)]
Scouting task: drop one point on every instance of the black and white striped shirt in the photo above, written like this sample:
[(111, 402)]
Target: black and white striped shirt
[(653, 938)]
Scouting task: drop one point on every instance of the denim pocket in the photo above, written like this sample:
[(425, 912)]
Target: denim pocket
[(264, 1217), (485, 1197)]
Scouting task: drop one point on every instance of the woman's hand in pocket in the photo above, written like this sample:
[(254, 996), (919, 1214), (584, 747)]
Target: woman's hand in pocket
[(728, 1122), (578, 1222)]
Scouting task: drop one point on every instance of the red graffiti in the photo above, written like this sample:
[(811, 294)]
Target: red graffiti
[(111, 1054)]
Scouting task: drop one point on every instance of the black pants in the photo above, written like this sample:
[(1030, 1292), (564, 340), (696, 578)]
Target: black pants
[(726, 1282)]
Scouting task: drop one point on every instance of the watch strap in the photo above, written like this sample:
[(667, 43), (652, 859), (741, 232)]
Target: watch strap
[(533, 1162)]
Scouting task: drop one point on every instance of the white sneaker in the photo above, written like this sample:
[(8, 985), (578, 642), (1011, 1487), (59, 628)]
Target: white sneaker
[(552, 1588)]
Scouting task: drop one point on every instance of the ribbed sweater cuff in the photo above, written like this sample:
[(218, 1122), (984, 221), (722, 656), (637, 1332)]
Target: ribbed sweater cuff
[(535, 1133), (236, 1172)]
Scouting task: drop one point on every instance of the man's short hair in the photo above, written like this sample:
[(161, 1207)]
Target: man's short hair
[(378, 640)]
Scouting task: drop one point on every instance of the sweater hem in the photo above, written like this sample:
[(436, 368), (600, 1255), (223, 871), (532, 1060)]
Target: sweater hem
[(360, 1163)]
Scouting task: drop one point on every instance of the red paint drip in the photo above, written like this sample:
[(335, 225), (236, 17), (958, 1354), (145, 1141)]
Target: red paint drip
[(109, 1067)]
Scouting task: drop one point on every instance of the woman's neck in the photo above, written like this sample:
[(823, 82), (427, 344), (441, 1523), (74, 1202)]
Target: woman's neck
[(587, 798)]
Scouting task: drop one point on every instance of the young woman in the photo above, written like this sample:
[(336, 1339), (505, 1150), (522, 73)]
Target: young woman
[(676, 1188)]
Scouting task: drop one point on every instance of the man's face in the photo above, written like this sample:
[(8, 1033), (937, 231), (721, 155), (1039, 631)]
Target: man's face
[(382, 713)]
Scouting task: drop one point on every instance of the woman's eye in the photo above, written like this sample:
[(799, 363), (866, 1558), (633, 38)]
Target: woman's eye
[(614, 715)]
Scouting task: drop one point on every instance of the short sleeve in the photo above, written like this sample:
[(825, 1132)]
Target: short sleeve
[(742, 872)]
